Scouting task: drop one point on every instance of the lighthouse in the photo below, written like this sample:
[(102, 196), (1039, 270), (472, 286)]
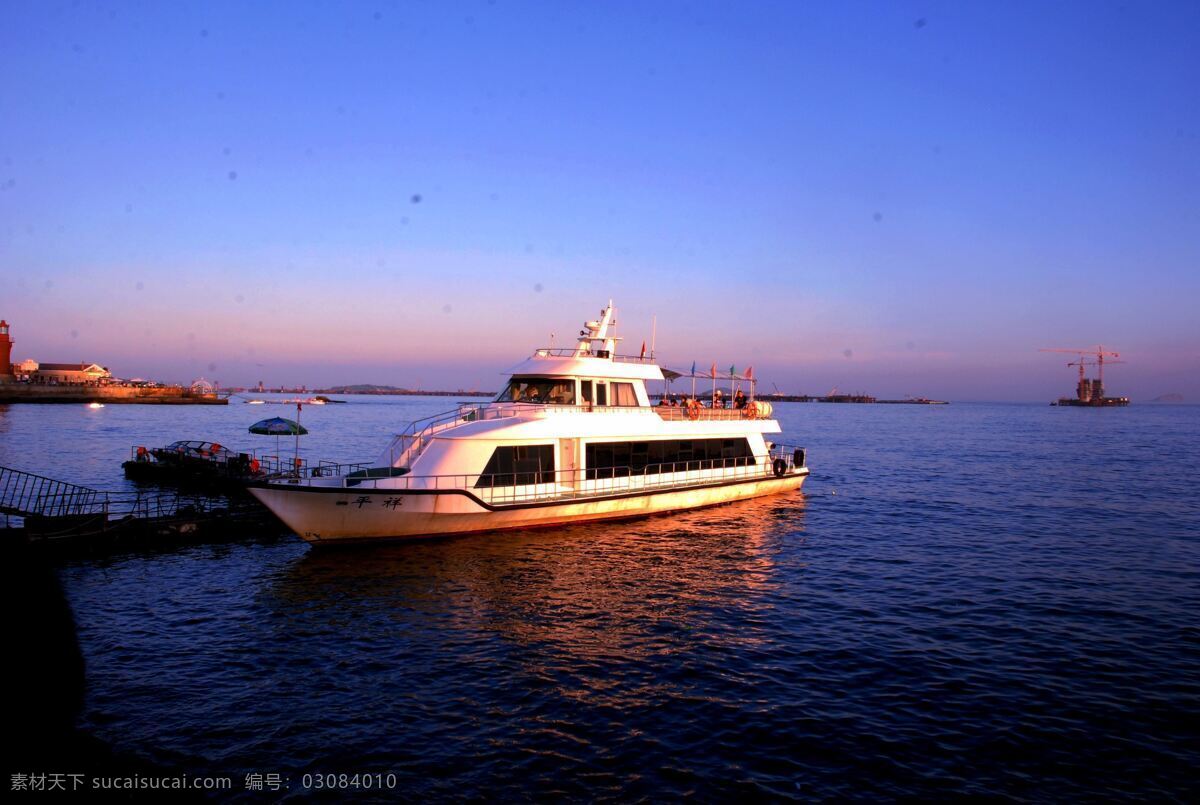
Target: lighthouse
[(6, 343)]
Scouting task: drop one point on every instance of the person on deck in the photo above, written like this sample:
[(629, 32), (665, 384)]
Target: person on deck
[(739, 399)]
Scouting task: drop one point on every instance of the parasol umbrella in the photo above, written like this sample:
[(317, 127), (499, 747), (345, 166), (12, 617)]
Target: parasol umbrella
[(670, 375), (278, 426)]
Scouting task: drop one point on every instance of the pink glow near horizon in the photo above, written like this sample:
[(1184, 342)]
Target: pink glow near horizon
[(373, 340)]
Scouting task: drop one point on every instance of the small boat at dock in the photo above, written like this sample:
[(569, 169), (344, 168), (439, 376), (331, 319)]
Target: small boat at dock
[(193, 462)]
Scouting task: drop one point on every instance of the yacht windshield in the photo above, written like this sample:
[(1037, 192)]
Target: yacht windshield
[(542, 390)]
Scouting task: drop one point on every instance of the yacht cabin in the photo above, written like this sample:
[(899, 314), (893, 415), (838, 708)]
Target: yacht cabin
[(568, 417)]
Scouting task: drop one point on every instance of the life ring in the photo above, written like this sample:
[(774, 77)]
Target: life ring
[(254, 465), (142, 454), (780, 467), (693, 410)]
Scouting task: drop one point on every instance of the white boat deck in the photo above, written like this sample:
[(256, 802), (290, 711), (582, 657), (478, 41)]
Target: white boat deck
[(549, 486)]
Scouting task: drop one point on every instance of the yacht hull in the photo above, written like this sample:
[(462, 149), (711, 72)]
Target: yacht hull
[(323, 515)]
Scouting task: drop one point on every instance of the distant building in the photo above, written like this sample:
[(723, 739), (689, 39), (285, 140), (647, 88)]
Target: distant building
[(69, 373), (50, 373), (6, 342)]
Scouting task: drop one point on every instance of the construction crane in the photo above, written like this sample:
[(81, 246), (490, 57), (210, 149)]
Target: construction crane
[(1099, 352)]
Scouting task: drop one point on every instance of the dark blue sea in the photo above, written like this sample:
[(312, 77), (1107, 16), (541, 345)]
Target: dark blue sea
[(968, 600)]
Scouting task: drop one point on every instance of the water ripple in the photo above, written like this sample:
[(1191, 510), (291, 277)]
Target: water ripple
[(997, 601)]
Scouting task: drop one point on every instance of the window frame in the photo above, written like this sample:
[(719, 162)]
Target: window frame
[(521, 465), (604, 459)]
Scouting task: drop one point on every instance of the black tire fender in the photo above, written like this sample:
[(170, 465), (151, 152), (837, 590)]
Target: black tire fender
[(779, 466)]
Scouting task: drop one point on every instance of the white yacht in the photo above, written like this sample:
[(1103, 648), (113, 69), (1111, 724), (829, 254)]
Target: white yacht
[(573, 437)]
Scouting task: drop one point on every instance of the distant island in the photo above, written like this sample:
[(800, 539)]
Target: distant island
[(371, 388), (1173, 397)]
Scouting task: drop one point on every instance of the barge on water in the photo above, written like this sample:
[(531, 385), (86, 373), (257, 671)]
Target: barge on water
[(1089, 392)]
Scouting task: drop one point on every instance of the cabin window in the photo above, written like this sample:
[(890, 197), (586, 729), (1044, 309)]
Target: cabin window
[(540, 390), (519, 466), (585, 391), (619, 459), (623, 394), (601, 394)]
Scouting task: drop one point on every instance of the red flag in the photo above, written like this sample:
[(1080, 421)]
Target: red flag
[(750, 373), (714, 370), (643, 349)]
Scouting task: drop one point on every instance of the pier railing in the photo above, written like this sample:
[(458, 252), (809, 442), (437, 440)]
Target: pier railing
[(23, 493)]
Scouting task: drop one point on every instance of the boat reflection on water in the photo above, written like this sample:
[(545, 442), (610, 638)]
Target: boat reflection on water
[(619, 589)]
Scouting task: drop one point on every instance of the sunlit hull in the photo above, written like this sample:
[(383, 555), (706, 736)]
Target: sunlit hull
[(333, 515)]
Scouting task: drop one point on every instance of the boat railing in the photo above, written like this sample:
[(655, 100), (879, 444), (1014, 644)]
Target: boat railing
[(573, 352), (273, 467), (682, 413), (409, 443), (513, 488)]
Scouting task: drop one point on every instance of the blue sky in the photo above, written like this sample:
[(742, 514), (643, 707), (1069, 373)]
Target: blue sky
[(900, 198)]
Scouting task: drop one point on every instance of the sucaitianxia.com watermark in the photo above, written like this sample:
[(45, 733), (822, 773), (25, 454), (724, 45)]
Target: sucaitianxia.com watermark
[(66, 781)]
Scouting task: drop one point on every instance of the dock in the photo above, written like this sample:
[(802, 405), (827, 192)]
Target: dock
[(57, 514), (107, 394)]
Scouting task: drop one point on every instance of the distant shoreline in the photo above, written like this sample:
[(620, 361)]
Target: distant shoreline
[(129, 395), (397, 392), (371, 391)]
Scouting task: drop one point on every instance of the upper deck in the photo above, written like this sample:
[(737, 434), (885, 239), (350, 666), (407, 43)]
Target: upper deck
[(551, 362), (594, 356)]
